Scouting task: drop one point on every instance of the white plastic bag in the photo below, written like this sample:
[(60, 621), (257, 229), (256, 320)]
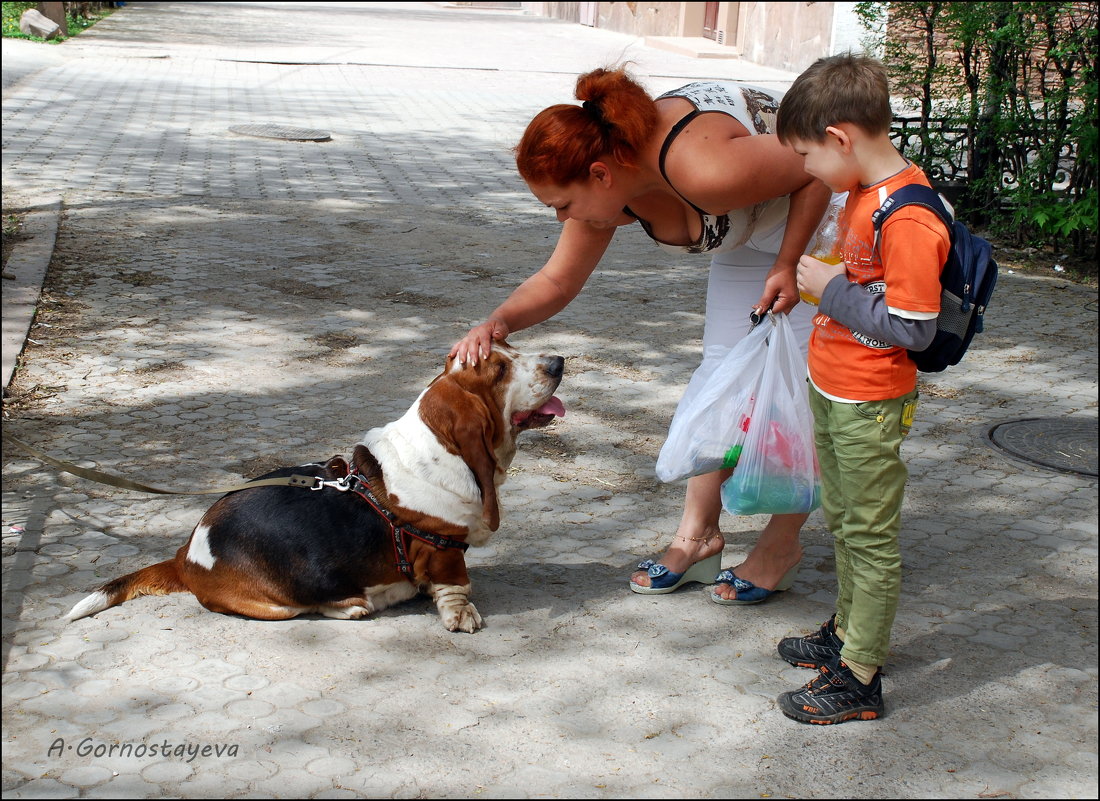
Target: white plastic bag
[(777, 472), (709, 424)]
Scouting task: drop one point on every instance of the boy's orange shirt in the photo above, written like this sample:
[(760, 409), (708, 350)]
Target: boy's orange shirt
[(845, 363)]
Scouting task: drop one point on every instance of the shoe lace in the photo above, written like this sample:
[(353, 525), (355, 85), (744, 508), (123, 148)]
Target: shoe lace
[(825, 681), (824, 635), (822, 682)]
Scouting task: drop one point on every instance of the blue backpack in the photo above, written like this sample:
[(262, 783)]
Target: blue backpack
[(967, 279)]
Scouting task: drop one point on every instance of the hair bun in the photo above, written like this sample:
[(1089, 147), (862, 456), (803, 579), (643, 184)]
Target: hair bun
[(593, 108)]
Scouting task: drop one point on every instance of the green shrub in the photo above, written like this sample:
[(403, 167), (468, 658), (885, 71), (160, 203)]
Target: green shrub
[(1020, 79), (13, 11)]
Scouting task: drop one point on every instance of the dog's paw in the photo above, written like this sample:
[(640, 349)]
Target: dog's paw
[(464, 618), (353, 612), (453, 603)]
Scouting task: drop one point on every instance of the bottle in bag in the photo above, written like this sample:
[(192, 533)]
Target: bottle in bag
[(733, 455)]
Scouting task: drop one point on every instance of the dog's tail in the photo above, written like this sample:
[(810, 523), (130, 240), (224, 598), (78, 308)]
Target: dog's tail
[(159, 579)]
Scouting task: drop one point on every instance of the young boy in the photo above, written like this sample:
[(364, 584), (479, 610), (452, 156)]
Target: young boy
[(882, 299)]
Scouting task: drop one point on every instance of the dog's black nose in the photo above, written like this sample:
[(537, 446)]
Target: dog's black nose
[(556, 366)]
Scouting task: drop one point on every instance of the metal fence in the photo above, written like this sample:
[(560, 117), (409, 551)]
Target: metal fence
[(946, 159)]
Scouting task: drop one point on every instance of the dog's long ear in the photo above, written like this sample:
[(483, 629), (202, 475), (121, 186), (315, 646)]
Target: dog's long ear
[(337, 467), (365, 462), (466, 426)]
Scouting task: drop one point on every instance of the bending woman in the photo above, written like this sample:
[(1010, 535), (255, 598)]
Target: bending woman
[(701, 170)]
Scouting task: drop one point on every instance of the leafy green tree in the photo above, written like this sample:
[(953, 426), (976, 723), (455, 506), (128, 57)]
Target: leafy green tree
[(1019, 79)]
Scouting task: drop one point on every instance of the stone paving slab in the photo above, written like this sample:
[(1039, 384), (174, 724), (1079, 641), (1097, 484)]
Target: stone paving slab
[(217, 306)]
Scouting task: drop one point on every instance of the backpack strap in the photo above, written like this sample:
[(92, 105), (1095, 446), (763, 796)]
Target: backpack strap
[(912, 195)]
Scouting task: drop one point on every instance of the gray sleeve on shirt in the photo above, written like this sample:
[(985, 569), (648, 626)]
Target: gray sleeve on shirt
[(849, 303)]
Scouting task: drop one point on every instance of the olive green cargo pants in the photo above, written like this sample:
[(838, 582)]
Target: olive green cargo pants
[(862, 487)]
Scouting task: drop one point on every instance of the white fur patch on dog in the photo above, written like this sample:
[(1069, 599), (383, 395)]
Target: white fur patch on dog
[(384, 595), (421, 473), (199, 550), (528, 387), (345, 612), (96, 602)]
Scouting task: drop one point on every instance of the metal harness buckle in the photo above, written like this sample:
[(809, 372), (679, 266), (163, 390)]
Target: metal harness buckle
[(340, 484)]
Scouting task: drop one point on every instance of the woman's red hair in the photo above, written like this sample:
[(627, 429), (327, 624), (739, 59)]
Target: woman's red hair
[(617, 119)]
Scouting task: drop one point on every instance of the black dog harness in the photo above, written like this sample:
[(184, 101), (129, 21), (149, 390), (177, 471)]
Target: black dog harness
[(356, 482)]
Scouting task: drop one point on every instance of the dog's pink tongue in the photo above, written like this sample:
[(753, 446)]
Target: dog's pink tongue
[(553, 406)]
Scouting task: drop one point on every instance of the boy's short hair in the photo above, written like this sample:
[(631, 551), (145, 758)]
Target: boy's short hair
[(843, 88)]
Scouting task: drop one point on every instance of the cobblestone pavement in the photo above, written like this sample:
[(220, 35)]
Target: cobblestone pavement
[(220, 304)]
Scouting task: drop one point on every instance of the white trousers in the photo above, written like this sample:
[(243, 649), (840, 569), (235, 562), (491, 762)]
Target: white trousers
[(736, 283)]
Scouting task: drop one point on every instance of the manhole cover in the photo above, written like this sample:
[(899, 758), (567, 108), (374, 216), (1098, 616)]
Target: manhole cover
[(281, 132), (1065, 443)]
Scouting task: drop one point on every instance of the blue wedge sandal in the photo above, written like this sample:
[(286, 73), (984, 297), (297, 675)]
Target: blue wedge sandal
[(662, 580), (747, 592)]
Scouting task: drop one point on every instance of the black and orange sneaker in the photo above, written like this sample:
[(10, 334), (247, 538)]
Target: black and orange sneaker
[(813, 650), (834, 696)]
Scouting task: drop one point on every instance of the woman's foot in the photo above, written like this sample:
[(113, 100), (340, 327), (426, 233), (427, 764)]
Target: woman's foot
[(684, 552), (765, 570)]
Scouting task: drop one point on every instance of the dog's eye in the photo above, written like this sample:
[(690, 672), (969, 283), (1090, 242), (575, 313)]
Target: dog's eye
[(501, 370)]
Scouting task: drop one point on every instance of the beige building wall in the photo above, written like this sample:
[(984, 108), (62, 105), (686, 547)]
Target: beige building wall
[(641, 19), (784, 35), (787, 36), (566, 11)]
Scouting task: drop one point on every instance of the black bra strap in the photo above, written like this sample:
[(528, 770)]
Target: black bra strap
[(679, 126)]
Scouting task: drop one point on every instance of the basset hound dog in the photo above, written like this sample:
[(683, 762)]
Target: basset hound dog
[(349, 539)]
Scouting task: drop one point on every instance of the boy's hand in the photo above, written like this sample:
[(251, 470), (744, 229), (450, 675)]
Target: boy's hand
[(813, 274)]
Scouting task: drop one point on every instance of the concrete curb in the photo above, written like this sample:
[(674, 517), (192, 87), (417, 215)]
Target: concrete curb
[(27, 265)]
